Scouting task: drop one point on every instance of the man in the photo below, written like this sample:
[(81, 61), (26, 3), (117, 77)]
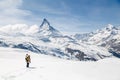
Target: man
[(28, 60)]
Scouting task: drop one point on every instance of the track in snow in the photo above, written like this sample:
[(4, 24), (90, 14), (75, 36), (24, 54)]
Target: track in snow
[(16, 73), (21, 72)]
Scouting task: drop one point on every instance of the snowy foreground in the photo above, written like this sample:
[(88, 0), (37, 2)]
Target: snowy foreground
[(44, 67)]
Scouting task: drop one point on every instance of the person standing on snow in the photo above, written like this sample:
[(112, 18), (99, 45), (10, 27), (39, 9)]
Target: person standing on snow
[(28, 60)]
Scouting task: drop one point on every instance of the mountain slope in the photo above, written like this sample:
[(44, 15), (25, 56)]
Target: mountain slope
[(105, 34), (47, 30), (108, 37)]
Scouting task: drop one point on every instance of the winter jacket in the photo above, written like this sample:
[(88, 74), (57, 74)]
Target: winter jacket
[(27, 58)]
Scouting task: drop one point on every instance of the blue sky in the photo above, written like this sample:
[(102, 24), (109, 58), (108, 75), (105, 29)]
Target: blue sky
[(65, 15)]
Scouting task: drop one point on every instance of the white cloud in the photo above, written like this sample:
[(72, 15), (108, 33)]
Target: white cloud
[(10, 3), (11, 12), (19, 28)]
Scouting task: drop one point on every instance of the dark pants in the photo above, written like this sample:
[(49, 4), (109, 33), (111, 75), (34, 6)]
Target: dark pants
[(27, 65)]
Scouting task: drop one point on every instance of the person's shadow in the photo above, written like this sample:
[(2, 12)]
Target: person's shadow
[(32, 67)]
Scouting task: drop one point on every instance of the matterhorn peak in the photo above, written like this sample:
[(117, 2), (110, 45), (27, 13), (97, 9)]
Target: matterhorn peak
[(45, 23), (47, 29), (46, 26)]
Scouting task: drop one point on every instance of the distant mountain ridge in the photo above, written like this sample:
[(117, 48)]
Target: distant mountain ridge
[(45, 39), (108, 37)]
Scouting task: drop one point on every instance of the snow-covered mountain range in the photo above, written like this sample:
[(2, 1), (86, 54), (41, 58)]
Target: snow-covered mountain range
[(108, 37), (45, 39)]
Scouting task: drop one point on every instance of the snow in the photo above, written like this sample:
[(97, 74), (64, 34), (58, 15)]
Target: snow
[(47, 40), (34, 38), (44, 67), (104, 35)]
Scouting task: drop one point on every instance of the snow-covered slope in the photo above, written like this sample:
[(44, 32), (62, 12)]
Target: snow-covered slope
[(108, 37), (83, 36), (13, 67), (105, 34), (47, 40), (62, 47)]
